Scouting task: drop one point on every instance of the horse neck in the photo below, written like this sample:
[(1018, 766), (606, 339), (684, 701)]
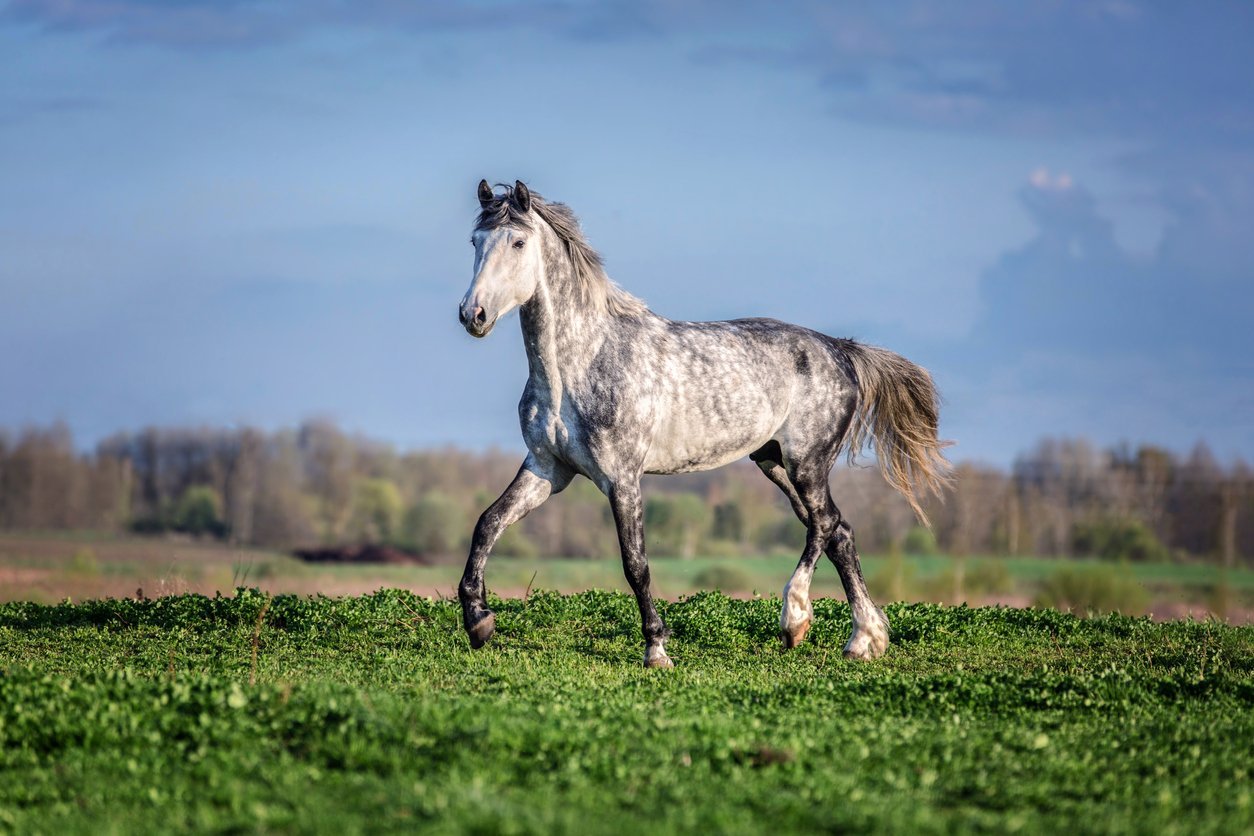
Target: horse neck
[(562, 330)]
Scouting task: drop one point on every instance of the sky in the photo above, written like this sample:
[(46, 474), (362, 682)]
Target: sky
[(219, 212)]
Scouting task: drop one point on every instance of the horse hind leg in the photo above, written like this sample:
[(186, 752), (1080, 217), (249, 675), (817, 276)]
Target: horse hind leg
[(870, 626), (806, 489), (869, 639), (797, 613), (770, 460)]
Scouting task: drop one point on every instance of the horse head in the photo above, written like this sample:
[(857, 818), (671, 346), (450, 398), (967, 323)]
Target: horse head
[(509, 260)]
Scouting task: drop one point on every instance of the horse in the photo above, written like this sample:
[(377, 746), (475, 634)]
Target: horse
[(616, 391)]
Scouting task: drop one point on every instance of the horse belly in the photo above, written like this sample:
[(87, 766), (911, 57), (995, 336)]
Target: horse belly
[(712, 432)]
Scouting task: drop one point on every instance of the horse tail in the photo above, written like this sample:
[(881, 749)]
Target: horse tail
[(898, 414)]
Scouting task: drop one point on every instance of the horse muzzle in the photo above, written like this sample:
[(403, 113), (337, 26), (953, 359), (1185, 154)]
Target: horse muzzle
[(475, 320)]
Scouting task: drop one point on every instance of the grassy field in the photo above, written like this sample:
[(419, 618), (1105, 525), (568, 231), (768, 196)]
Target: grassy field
[(251, 713), (52, 567)]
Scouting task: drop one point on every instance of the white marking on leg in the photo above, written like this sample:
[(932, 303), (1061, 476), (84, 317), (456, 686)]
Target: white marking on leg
[(870, 632), (655, 657), (797, 612)]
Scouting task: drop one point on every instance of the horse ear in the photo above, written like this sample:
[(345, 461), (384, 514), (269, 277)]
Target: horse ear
[(522, 197), (485, 194)]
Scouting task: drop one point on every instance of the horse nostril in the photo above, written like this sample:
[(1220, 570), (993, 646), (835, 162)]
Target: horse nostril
[(478, 316), (461, 315)]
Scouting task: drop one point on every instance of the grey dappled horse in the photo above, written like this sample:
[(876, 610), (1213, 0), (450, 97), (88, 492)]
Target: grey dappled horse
[(616, 391)]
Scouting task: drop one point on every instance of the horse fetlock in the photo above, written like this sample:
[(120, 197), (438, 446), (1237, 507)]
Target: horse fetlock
[(870, 637), (480, 626)]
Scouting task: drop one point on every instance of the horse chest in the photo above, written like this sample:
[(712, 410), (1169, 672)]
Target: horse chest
[(585, 428), (550, 428)]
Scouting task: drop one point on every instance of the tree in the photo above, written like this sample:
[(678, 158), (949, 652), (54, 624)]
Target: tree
[(434, 525), (283, 516), (674, 523), (328, 459), (729, 522), (199, 512), (241, 485), (376, 511)]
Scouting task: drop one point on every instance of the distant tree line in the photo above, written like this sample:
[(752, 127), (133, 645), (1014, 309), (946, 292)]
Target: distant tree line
[(318, 485)]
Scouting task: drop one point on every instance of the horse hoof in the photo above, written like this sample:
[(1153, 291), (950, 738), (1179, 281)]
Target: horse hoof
[(867, 645), (658, 659), (796, 636), (865, 655), (481, 631)]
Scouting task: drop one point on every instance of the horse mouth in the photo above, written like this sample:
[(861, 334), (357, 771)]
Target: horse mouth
[(480, 331)]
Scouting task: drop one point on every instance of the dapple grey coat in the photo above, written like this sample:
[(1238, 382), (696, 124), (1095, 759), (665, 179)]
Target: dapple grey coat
[(616, 391)]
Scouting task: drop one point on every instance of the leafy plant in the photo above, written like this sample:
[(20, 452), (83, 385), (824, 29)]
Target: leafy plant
[(247, 713)]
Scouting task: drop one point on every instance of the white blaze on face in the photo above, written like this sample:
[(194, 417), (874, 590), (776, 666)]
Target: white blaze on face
[(509, 266)]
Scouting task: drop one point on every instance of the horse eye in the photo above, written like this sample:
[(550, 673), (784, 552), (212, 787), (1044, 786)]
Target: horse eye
[(518, 245)]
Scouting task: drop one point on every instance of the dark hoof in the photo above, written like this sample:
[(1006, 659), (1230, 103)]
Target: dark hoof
[(482, 630)]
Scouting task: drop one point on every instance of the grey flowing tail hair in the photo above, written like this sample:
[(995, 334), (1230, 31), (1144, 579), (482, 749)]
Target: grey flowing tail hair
[(899, 415)]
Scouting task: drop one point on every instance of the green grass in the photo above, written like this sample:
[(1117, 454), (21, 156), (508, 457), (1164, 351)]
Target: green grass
[(247, 713)]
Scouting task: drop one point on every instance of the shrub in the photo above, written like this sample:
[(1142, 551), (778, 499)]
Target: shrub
[(895, 580), (729, 522), (786, 534), (724, 578), (199, 511), (1099, 589), (989, 577), (376, 511), (514, 543), (436, 525), (961, 581), (1113, 539), (919, 541), (722, 548), (84, 562), (675, 523), (148, 524)]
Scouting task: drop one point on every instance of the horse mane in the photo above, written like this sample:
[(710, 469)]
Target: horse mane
[(589, 270)]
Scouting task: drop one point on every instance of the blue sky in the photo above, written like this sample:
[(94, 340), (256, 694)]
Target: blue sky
[(232, 212)]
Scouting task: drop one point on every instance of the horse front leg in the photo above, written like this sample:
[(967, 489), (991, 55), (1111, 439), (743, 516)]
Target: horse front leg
[(534, 483), (628, 508)]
